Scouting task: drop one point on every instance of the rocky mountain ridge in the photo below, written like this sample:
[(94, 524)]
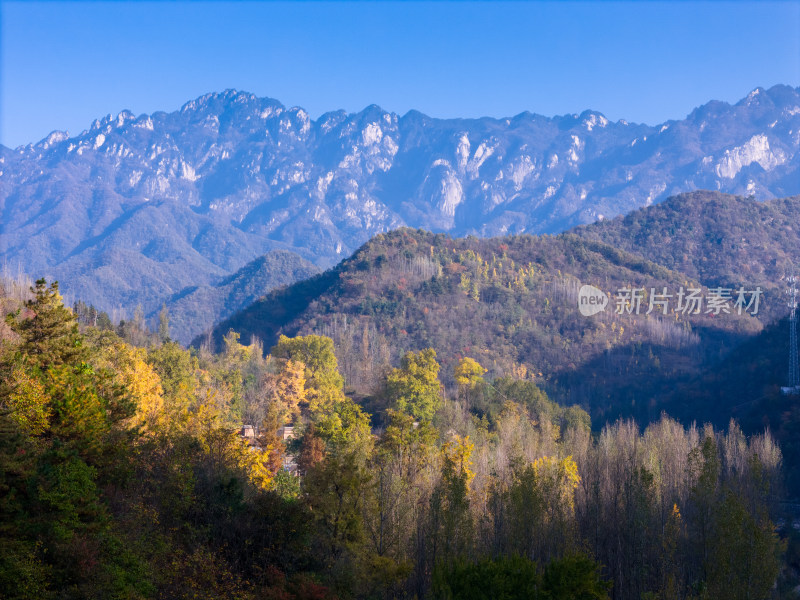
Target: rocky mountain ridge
[(136, 209)]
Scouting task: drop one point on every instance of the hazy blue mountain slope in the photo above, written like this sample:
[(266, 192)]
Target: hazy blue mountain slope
[(194, 308)]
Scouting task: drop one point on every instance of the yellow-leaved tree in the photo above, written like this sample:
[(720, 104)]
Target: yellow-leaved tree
[(540, 507), (131, 371), (27, 402), (468, 372), (323, 383), (469, 376), (290, 390), (450, 503), (558, 479), (457, 457)]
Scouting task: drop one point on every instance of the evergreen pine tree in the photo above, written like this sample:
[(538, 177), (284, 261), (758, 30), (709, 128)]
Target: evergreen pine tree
[(49, 330)]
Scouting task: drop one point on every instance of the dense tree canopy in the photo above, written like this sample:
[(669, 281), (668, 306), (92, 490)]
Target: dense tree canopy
[(153, 471)]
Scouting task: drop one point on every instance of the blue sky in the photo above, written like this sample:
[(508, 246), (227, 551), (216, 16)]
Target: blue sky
[(62, 64)]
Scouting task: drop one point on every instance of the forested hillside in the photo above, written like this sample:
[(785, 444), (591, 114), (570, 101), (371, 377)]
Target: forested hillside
[(454, 425), (715, 238), (124, 474), (512, 303)]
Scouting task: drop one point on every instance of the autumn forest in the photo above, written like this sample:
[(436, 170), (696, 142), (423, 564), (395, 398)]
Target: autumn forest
[(133, 467)]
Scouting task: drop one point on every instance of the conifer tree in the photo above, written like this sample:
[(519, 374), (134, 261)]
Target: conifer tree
[(48, 329)]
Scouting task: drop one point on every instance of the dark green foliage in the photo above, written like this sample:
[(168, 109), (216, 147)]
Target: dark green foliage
[(451, 525), (512, 578), (744, 556), (575, 577), (57, 533), (23, 574), (50, 336)]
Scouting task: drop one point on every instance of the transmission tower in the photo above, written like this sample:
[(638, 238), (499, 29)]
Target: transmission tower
[(794, 368)]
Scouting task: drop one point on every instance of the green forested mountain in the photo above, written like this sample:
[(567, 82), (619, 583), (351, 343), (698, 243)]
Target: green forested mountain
[(715, 238), (512, 301), (509, 302)]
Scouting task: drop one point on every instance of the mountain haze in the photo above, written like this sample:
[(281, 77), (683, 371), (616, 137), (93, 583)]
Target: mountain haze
[(194, 308), (138, 209)]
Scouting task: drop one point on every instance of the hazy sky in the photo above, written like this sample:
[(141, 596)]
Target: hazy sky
[(62, 64)]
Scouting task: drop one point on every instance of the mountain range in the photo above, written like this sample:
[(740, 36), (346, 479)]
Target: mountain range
[(143, 209)]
